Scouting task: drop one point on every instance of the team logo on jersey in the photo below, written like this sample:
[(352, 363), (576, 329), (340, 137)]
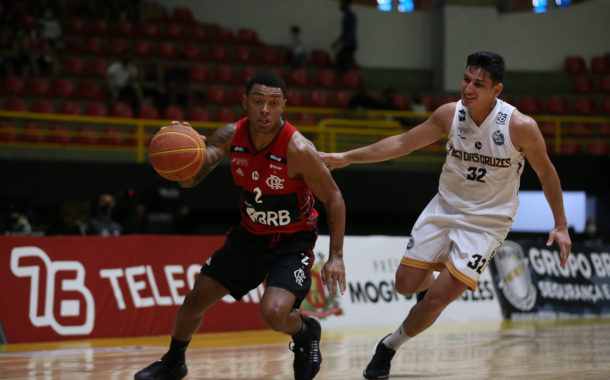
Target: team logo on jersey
[(501, 118), (275, 182), (238, 161), (255, 175), (478, 145), (240, 172), (461, 115), (411, 242), (299, 276), (498, 138)]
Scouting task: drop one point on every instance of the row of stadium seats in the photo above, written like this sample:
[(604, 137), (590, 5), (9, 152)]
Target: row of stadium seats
[(576, 64)]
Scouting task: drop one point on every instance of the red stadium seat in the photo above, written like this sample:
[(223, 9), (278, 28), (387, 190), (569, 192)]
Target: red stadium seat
[(114, 136), (557, 105), (73, 66), (182, 15), (320, 57), (575, 64), (121, 109), (43, 106), (606, 105), (604, 84), (70, 107), (296, 98), (306, 119), (173, 112), (238, 95), (429, 102), (448, 98), (352, 79), (149, 30), (547, 128), (8, 132), (192, 51), (97, 109), (224, 74), (16, 104), (174, 31), (600, 64), (326, 78), (198, 73), (93, 45), (280, 72), (604, 130), (579, 129), (90, 89), (98, 67), (100, 28), (243, 54), (166, 49), (226, 115), (60, 134), (583, 84), (116, 46), (219, 53), (246, 72), (223, 35), (321, 98), (247, 36), (402, 102), (217, 95), (585, 105), (570, 147), (270, 56), (124, 29), (199, 33), (299, 77), (75, 25), (87, 135), (63, 87), (39, 86), (598, 148), (147, 111), (141, 48), (530, 104), (343, 98), (34, 133), (509, 100), (14, 85), (200, 114)]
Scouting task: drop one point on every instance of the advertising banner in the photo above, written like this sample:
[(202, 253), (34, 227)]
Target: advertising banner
[(531, 283), (54, 288)]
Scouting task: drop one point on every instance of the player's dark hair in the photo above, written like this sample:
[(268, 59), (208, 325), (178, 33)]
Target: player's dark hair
[(491, 62), (266, 79)]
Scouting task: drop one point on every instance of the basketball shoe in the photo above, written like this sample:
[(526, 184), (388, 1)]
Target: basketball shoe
[(307, 356), (379, 366), (163, 369)]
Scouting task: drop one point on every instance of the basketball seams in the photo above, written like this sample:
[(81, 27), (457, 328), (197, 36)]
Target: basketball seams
[(177, 147)]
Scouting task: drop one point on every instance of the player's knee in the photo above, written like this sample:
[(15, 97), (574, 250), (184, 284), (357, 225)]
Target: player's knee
[(193, 304), (273, 317), (405, 287)]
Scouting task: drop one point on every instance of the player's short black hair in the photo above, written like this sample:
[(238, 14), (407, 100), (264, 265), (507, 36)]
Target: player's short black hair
[(266, 79), (491, 62)]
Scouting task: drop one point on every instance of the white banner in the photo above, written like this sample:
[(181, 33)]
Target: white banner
[(371, 299)]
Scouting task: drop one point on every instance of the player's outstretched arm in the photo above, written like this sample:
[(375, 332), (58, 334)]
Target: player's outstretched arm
[(304, 163), (217, 146), (526, 136), (396, 146)]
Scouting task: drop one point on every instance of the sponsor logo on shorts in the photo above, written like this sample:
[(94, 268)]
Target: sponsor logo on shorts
[(411, 242), (299, 276)]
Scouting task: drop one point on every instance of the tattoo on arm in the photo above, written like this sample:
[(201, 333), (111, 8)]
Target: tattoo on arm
[(217, 147)]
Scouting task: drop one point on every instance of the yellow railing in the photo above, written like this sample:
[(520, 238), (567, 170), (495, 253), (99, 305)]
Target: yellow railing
[(338, 130)]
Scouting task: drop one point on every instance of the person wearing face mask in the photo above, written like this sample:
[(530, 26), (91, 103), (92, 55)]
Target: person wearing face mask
[(103, 224)]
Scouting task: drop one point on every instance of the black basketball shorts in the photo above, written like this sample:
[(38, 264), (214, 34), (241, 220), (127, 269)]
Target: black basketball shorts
[(246, 260)]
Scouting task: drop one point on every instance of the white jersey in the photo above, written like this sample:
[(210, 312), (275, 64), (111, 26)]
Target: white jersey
[(482, 172)]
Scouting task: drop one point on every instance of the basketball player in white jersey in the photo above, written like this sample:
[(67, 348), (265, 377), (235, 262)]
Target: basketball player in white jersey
[(459, 230)]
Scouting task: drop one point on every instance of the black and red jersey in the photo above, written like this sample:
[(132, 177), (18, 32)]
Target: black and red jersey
[(270, 201)]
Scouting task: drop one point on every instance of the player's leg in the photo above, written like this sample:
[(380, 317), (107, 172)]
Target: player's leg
[(410, 280)]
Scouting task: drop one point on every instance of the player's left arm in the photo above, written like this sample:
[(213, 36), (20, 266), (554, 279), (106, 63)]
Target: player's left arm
[(304, 163), (526, 137)]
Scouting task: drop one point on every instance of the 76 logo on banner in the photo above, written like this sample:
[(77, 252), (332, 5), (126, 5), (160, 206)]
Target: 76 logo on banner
[(67, 307)]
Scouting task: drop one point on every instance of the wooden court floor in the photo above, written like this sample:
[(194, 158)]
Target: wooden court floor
[(549, 349)]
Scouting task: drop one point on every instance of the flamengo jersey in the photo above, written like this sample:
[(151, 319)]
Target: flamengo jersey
[(270, 201), (482, 171)]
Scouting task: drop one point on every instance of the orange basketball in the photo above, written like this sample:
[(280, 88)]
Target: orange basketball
[(177, 152)]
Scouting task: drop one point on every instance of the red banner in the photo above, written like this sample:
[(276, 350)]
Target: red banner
[(54, 288)]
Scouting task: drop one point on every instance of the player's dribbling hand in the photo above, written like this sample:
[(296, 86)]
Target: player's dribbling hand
[(561, 236), (186, 124), (333, 160), (333, 274)]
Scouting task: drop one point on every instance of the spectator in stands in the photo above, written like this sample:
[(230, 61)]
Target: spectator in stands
[(387, 99), (463, 225), (163, 207), (417, 105), (346, 44), (10, 52), (153, 88), (177, 83), (297, 53), (122, 80), (44, 58), (51, 29), (103, 223), (362, 100)]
